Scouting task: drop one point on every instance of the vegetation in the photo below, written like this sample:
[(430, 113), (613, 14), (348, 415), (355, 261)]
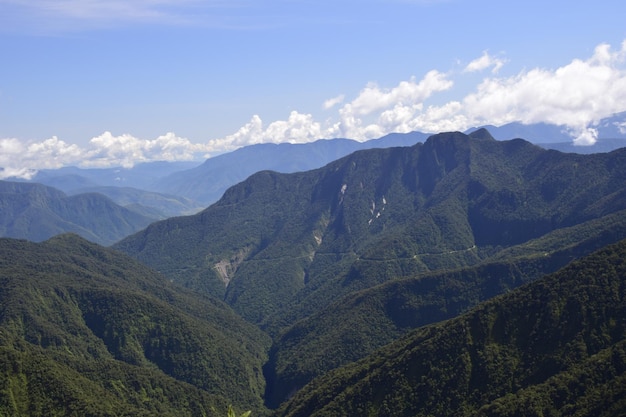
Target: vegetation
[(280, 247), (87, 331), (359, 288), (554, 347)]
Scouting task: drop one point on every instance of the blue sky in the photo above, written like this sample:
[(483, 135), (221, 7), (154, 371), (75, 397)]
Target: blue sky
[(100, 83)]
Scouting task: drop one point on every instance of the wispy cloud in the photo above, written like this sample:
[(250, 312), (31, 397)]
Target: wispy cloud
[(332, 102), (54, 16), (484, 62), (576, 96)]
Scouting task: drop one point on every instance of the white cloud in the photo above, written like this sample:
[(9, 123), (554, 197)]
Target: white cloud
[(332, 102), (126, 150), (576, 95), (373, 98), (298, 128), (54, 16), (22, 159), (484, 62)]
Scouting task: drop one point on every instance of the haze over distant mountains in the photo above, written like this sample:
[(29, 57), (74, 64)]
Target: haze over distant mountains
[(37, 212), (204, 183), (160, 190)]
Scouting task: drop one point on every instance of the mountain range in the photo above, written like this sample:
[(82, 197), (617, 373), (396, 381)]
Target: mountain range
[(201, 184), (438, 278), (37, 212), (289, 251)]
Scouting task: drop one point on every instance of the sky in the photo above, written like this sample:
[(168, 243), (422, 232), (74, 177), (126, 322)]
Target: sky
[(99, 83)]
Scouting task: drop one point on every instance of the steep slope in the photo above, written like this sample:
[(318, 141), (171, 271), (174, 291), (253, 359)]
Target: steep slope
[(36, 212), (85, 330), (554, 347), (354, 326), (279, 247)]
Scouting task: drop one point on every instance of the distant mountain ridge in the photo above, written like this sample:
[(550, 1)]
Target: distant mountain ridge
[(204, 183), (207, 182), (37, 212)]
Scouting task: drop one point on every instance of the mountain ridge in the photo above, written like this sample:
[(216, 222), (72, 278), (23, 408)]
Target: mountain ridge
[(305, 231), (38, 212)]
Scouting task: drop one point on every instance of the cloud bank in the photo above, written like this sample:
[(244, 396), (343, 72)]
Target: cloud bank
[(575, 96)]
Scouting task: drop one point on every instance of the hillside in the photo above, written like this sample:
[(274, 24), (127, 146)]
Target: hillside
[(37, 212), (85, 330), (554, 347), (356, 325), (278, 247)]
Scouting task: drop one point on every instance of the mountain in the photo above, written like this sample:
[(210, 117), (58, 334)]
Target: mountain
[(142, 176), (85, 330), (157, 206), (537, 133), (279, 247), (37, 212), (601, 145), (611, 133), (207, 182), (554, 347), (361, 322)]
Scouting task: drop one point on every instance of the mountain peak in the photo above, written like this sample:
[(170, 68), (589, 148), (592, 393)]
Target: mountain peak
[(481, 134)]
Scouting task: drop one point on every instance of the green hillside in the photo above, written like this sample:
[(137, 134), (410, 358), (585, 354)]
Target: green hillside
[(88, 331), (279, 247), (555, 347), (37, 212), (356, 325), (292, 282)]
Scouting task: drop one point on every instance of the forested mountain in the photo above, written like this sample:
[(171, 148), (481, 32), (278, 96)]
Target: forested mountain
[(326, 267), (555, 347), (355, 325), (86, 331), (281, 248), (37, 212)]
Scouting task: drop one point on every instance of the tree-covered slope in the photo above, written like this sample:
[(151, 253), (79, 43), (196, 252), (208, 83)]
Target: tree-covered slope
[(279, 247), (554, 347), (354, 326), (85, 330), (37, 212)]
